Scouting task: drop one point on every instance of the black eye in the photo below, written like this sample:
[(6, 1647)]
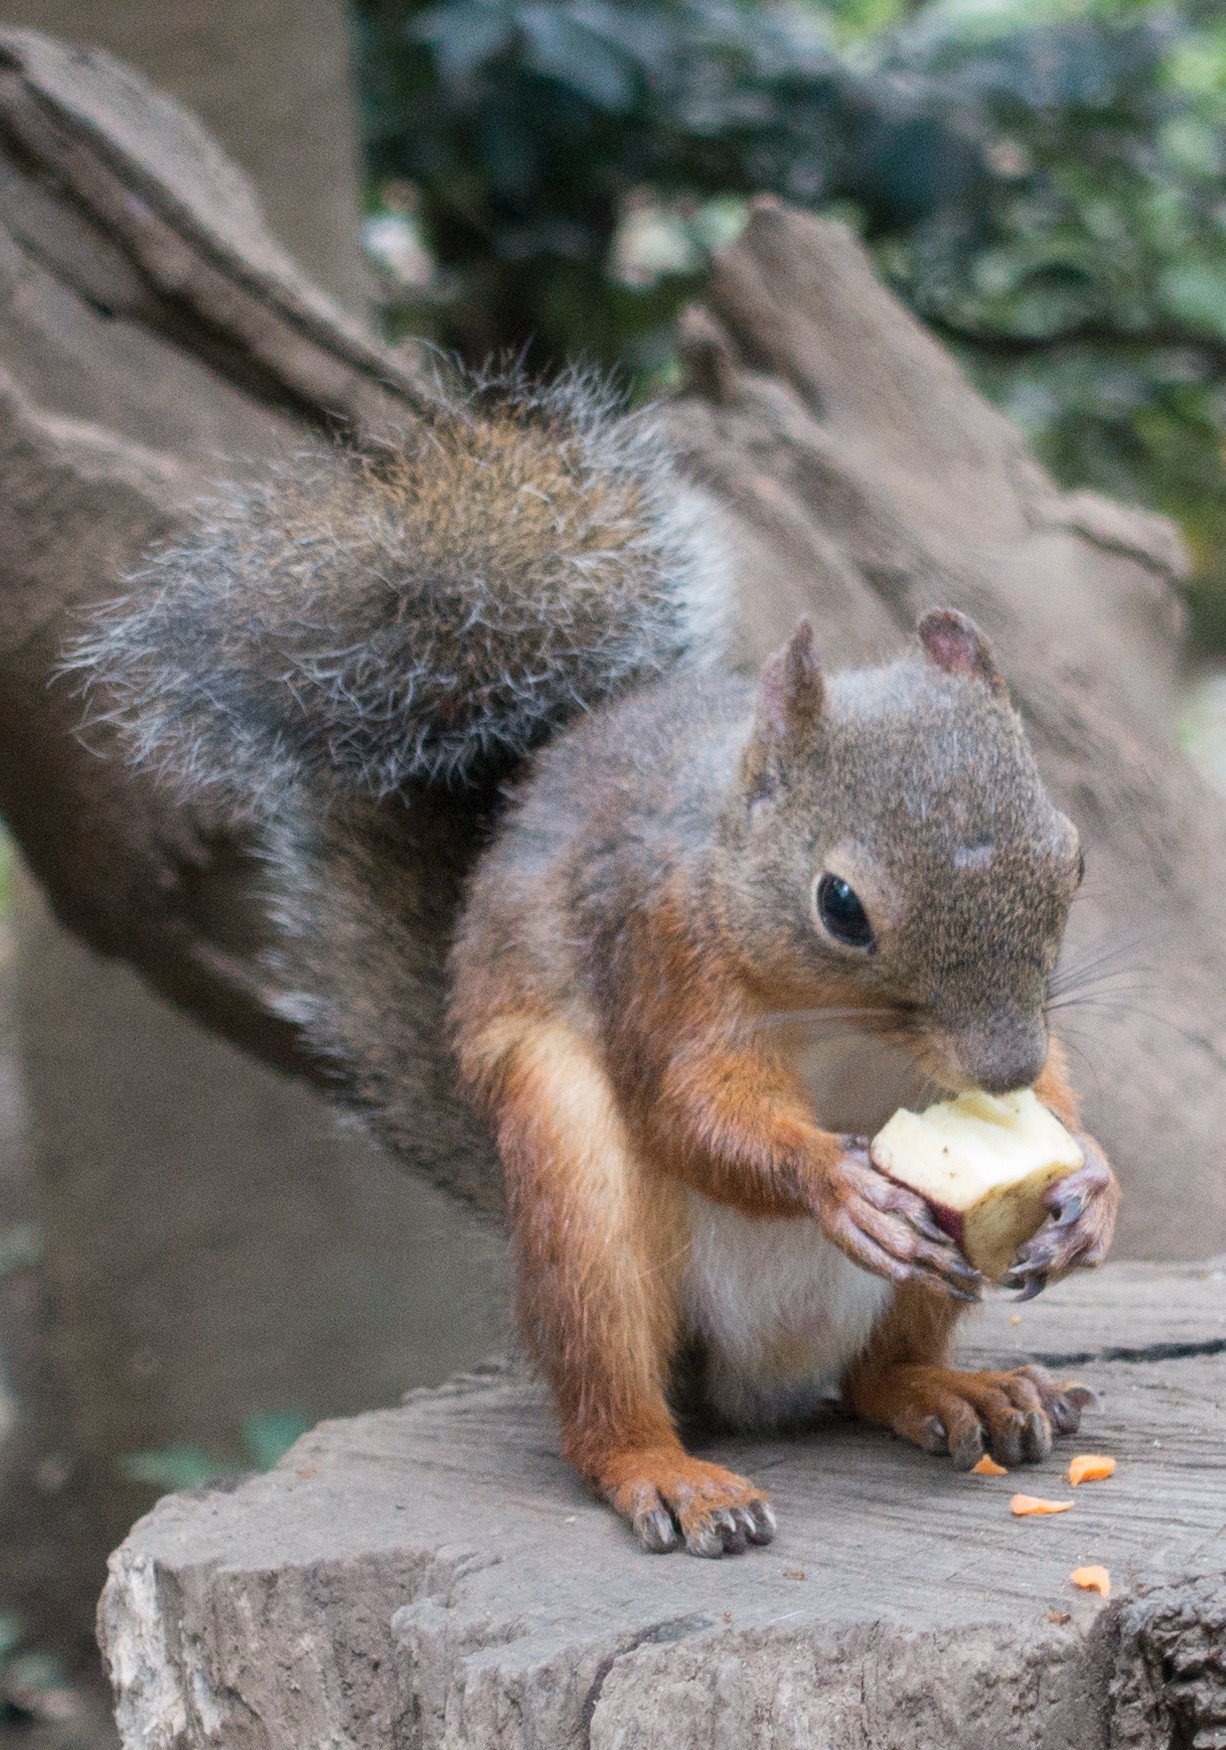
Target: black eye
[(842, 914), (1081, 867)]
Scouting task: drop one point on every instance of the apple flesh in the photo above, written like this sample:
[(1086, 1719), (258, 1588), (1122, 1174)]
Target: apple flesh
[(984, 1164)]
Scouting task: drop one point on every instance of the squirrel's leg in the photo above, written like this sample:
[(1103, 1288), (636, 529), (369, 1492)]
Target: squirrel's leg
[(903, 1381), (600, 1249), (1078, 1231)]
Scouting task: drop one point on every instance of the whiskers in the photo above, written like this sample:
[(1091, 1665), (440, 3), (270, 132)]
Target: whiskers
[(812, 1017), (901, 1026), (1099, 966), (890, 1022), (1102, 982)]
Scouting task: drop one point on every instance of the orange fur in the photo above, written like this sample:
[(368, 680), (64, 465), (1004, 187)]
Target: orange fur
[(903, 1382), (715, 1108), (600, 1250), (597, 1294), (1054, 1089), (592, 1234)]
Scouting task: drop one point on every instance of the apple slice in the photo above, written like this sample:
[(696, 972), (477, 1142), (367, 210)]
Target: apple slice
[(984, 1163)]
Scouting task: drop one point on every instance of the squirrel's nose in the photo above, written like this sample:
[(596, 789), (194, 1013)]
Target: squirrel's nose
[(1000, 1060)]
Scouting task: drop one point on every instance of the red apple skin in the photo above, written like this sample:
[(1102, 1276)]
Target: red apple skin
[(950, 1221)]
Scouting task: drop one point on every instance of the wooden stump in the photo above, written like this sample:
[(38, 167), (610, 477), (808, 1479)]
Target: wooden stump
[(434, 1576)]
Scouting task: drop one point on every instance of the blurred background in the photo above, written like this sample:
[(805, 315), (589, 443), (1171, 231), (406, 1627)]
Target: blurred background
[(1042, 181)]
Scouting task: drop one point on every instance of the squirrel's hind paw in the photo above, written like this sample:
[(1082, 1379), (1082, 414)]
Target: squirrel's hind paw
[(1012, 1415)]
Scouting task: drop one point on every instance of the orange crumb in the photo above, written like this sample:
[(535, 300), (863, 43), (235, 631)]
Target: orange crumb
[(988, 1467), (1024, 1506), (1058, 1616), (1090, 1467), (1092, 1579), (1015, 1318)]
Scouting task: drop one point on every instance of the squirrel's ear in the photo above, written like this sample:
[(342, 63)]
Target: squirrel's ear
[(956, 645), (792, 692), (791, 696)]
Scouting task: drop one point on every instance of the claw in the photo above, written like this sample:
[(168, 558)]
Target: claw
[(657, 1531), (731, 1525), (1082, 1397), (955, 1293), (967, 1449), (932, 1435), (1036, 1437), (761, 1522), (1008, 1439), (1066, 1417), (1035, 1283), (706, 1539)]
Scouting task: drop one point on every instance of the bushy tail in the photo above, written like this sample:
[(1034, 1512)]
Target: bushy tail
[(424, 609)]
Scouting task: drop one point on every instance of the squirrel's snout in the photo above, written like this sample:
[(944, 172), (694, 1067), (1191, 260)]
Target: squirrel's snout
[(996, 1054), (1010, 1081), (1004, 1062)]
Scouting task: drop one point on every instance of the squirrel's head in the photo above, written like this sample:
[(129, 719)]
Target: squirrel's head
[(892, 849)]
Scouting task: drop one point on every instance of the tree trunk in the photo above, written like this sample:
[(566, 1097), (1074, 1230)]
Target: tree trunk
[(217, 1250), (365, 1594), (273, 84)]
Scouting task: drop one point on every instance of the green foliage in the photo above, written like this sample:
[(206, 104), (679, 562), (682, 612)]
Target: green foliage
[(266, 1437), (181, 1466), (1043, 180)]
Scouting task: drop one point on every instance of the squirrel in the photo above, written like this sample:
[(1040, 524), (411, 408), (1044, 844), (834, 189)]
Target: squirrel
[(689, 877)]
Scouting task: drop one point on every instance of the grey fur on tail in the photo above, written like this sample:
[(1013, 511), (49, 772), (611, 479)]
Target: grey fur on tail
[(426, 608)]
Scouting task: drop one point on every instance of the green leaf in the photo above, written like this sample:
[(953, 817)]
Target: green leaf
[(562, 47), (268, 1436), (37, 1672), (173, 1467), (1195, 292)]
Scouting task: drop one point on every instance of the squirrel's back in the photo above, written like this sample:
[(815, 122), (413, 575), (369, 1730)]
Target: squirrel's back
[(426, 607)]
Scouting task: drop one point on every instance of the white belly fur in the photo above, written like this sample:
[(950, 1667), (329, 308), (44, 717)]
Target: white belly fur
[(780, 1311)]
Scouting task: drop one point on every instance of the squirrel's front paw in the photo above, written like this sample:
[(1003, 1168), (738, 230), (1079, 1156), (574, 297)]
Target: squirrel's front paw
[(888, 1229), (1077, 1233), (672, 1499)]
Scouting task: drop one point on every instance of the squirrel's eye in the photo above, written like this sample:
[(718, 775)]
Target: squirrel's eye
[(842, 914), (1081, 867)]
